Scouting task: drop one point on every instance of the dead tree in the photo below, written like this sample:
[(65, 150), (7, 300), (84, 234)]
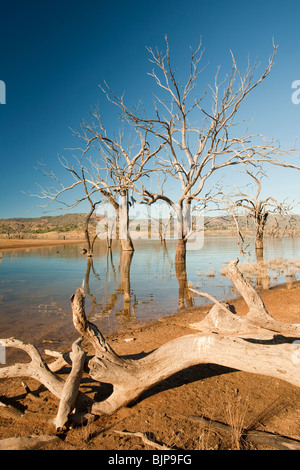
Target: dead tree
[(116, 168), (252, 206), (90, 241), (80, 183), (201, 135), (109, 167), (255, 343)]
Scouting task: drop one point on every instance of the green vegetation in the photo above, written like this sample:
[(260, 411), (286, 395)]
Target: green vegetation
[(25, 228)]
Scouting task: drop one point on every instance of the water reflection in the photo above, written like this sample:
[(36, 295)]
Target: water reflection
[(124, 287), (185, 296)]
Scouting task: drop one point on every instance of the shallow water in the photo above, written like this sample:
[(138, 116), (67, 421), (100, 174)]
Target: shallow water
[(36, 284)]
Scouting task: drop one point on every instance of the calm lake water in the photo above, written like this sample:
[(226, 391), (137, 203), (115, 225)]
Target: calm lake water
[(36, 284)]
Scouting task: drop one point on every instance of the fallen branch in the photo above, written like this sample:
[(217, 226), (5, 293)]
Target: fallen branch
[(257, 323), (36, 369), (71, 386), (258, 313), (145, 439)]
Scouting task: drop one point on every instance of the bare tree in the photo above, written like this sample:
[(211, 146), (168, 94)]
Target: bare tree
[(252, 206), (201, 135), (121, 167), (80, 182), (107, 166)]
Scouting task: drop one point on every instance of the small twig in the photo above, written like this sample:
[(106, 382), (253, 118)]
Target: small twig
[(144, 438), (210, 297), (62, 360)]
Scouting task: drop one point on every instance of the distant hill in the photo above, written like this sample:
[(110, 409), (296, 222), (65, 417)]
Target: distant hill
[(21, 227)]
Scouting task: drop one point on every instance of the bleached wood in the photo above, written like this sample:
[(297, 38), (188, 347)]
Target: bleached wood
[(257, 323), (258, 313), (71, 386), (131, 378), (36, 369)]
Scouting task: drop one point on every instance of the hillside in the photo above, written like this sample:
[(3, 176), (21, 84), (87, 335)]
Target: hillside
[(62, 224), (29, 227)]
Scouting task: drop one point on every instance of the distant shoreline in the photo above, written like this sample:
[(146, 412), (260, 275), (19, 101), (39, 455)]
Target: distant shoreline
[(10, 243), (32, 243)]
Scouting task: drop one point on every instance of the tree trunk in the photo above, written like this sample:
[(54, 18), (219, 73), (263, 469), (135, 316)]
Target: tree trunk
[(185, 298), (130, 378), (180, 255), (126, 258), (124, 235), (87, 234), (184, 228), (71, 387), (261, 221)]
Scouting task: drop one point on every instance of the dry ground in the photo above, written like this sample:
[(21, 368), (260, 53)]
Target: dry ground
[(166, 412)]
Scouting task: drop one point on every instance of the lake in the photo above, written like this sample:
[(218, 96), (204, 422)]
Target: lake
[(36, 284)]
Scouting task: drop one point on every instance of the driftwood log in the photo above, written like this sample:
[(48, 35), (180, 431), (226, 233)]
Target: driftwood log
[(254, 343)]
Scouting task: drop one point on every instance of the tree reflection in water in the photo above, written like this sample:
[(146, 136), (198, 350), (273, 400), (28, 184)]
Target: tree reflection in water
[(36, 284)]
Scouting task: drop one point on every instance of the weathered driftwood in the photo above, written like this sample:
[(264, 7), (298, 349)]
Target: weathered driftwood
[(71, 386), (257, 323), (247, 343), (36, 369)]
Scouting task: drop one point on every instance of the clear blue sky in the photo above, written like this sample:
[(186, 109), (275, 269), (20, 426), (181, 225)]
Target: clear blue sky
[(53, 55)]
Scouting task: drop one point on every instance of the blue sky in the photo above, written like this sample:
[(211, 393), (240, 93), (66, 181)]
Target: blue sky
[(54, 54)]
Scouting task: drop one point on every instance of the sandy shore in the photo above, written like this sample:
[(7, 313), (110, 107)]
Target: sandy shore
[(169, 410), (6, 244), (79, 238)]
